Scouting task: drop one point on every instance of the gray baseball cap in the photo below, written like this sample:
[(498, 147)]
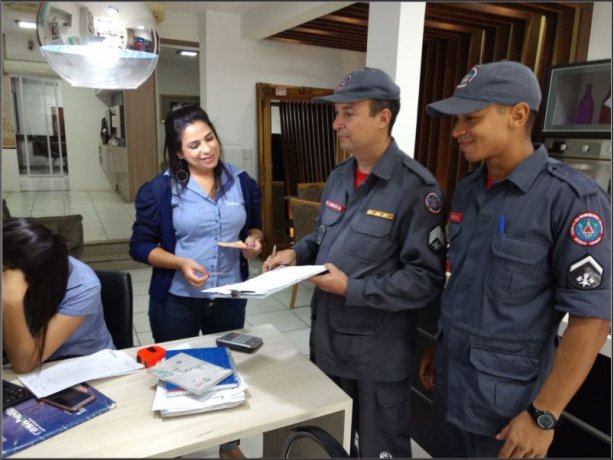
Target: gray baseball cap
[(367, 83), (503, 82)]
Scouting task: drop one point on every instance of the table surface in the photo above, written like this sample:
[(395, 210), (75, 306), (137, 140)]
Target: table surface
[(284, 388)]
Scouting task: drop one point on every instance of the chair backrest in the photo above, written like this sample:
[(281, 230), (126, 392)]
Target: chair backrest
[(313, 434), (304, 215), (116, 293)]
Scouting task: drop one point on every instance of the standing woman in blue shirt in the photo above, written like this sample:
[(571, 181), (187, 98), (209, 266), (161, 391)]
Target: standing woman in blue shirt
[(181, 216), (51, 305)]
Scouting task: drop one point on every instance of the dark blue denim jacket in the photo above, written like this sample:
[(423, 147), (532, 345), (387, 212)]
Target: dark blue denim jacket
[(154, 226)]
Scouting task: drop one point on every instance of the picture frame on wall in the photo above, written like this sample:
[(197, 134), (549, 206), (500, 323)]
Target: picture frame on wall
[(168, 101)]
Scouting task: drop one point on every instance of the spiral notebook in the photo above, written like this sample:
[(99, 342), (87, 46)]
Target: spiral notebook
[(219, 356)]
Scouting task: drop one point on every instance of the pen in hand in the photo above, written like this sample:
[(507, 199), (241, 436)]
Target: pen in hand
[(274, 250)]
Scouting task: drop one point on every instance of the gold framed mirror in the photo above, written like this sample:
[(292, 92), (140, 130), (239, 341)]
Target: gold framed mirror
[(266, 95)]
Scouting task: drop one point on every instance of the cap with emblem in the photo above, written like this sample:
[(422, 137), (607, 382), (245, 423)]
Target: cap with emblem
[(367, 83), (503, 82)]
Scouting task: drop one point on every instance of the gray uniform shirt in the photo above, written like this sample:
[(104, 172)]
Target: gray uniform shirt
[(533, 247), (387, 236)]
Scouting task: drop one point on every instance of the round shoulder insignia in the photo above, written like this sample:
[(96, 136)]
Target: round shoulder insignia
[(586, 229), (433, 202)]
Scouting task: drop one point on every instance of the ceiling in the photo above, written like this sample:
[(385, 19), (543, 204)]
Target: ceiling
[(345, 28)]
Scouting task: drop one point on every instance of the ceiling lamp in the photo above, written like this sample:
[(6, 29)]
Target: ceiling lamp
[(99, 44)]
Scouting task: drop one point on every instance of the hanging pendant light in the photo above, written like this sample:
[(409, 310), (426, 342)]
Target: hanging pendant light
[(99, 44)]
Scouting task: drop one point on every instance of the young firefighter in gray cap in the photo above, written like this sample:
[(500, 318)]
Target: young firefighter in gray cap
[(379, 233), (529, 242)]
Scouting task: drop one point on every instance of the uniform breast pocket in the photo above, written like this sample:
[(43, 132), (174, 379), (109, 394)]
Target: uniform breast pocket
[(368, 234), (518, 269)]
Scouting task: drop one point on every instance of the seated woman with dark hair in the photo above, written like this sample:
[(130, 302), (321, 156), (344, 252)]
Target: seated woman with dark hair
[(51, 306)]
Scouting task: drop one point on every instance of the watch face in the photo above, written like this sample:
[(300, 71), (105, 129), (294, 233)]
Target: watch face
[(545, 421)]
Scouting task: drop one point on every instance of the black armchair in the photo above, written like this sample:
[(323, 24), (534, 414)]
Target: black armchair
[(116, 293)]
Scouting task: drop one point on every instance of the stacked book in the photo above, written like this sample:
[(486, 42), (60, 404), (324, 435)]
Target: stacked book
[(196, 380)]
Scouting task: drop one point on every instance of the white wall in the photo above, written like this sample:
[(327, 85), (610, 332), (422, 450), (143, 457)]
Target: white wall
[(83, 112), (17, 47), (600, 42), (233, 66), (179, 26), (174, 76), (10, 171)]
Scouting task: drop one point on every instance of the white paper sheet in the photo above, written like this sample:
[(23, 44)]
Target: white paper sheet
[(190, 404), (64, 374), (268, 283)]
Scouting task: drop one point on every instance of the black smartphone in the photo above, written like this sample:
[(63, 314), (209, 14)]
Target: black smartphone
[(71, 399), (240, 342)]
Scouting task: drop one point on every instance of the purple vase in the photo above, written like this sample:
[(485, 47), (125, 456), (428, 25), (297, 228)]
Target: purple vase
[(584, 115)]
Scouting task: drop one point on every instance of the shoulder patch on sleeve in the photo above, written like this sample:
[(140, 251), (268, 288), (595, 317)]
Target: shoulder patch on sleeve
[(585, 273), (419, 170), (580, 183)]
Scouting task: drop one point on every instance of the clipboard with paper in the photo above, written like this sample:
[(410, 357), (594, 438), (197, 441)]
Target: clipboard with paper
[(268, 283)]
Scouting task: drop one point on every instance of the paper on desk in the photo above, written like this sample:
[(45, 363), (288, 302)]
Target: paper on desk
[(190, 404), (268, 283), (63, 374)]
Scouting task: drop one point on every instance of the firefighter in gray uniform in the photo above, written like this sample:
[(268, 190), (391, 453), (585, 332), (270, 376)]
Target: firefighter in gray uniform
[(380, 235), (529, 241)]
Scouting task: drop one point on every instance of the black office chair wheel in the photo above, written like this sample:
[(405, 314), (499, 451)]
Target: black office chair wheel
[(318, 435)]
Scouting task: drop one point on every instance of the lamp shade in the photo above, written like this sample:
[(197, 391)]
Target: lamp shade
[(99, 44)]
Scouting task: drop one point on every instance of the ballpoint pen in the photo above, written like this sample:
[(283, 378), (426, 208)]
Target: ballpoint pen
[(501, 229), (274, 250)]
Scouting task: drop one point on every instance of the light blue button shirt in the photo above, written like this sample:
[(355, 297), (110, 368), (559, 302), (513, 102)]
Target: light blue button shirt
[(200, 222), (83, 299)]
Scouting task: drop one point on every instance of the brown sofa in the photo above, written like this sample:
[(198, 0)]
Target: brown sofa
[(70, 227)]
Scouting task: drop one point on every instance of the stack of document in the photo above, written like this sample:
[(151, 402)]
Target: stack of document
[(179, 396)]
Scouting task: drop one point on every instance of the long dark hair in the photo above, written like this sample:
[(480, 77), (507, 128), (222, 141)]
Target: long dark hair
[(177, 119), (42, 255)]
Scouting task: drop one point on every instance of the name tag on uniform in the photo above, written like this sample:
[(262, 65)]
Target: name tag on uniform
[(334, 206), (382, 214)]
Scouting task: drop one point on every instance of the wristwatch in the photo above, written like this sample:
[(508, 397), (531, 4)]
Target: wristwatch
[(544, 419)]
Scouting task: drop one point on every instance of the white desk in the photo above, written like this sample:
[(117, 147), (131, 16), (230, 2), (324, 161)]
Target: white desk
[(284, 390)]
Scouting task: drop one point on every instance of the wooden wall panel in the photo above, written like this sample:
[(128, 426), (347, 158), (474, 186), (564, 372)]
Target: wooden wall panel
[(458, 36)]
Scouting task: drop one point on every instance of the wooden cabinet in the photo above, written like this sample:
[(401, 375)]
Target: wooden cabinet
[(131, 166), (113, 159)]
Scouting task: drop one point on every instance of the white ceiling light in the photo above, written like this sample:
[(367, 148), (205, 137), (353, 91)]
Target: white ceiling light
[(187, 53), (89, 47), (25, 24)]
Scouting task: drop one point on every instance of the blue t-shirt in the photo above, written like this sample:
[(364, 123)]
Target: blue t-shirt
[(200, 222), (83, 299)]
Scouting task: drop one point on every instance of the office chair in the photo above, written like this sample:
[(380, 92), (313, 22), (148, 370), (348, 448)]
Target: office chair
[(323, 438), (116, 293)]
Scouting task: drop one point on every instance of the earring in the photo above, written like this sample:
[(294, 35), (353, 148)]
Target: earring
[(182, 175)]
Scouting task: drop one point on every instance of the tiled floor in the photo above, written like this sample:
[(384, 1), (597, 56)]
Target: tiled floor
[(107, 217)]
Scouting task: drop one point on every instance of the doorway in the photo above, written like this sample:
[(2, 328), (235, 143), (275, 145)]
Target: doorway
[(39, 132)]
